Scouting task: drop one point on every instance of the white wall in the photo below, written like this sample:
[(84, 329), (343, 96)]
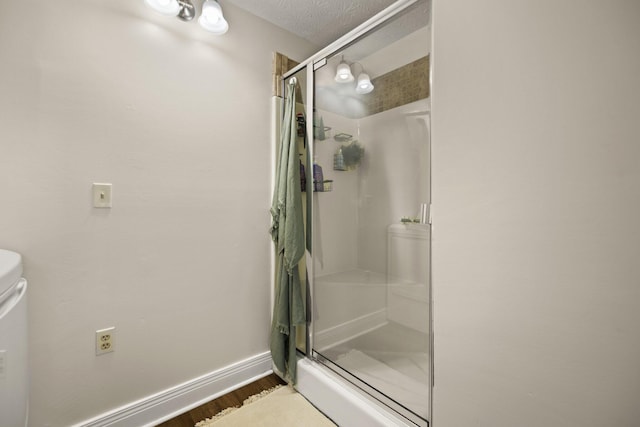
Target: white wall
[(536, 204), (178, 120)]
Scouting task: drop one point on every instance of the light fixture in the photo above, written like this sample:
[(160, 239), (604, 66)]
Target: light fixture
[(211, 18), (343, 73), (364, 84), (166, 7)]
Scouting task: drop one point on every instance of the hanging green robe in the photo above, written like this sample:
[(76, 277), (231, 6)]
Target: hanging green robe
[(287, 232)]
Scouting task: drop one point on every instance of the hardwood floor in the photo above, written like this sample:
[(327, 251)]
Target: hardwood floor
[(235, 398)]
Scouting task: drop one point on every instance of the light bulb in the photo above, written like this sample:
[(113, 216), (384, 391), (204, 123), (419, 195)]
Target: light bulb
[(212, 19), (166, 7)]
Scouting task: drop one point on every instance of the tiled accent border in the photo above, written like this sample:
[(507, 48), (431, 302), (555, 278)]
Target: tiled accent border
[(401, 86), (281, 64)]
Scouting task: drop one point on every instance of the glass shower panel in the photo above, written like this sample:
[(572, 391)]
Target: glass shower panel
[(371, 236)]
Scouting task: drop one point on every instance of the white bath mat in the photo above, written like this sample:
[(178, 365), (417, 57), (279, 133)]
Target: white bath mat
[(280, 406)]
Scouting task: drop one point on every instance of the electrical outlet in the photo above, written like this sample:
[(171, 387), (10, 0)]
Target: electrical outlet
[(105, 339)]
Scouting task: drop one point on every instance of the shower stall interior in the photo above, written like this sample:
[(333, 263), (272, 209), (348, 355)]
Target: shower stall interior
[(369, 273)]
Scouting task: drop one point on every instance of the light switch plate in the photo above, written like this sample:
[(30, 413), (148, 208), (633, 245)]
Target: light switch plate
[(3, 364), (102, 195)]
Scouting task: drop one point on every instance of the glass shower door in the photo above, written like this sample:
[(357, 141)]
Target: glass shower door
[(371, 294)]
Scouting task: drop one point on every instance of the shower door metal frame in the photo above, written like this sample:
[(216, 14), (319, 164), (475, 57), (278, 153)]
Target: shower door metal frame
[(311, 64), (353, 35)]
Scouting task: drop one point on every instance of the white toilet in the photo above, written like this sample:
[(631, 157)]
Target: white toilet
[(408, 275), (14, 374)]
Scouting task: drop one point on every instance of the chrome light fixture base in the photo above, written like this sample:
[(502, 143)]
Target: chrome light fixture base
[(187, 10)]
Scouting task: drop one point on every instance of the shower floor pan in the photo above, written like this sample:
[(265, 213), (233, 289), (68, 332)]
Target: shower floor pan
[(392, 359)]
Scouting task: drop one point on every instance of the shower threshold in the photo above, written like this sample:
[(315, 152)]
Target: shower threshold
[(347, 400)]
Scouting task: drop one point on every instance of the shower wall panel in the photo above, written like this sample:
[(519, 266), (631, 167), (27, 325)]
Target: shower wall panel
[(393, 178)]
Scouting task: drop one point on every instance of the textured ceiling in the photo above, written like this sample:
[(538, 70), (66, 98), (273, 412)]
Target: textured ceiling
[(403, 24), (318, 21)]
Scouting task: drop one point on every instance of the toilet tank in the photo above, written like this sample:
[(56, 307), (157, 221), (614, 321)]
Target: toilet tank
[(14, 374), (408, 275), (10, 269)]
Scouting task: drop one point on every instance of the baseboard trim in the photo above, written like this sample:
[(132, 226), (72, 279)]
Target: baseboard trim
[(169, 403), (349, 330)]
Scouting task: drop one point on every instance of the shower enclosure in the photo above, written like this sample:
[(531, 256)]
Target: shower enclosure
[(369, 276)]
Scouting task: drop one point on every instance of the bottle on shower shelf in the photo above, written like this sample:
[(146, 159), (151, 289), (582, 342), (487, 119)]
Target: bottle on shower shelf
[(318, 178), (338, 161), (303, 178), (302, 124)]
